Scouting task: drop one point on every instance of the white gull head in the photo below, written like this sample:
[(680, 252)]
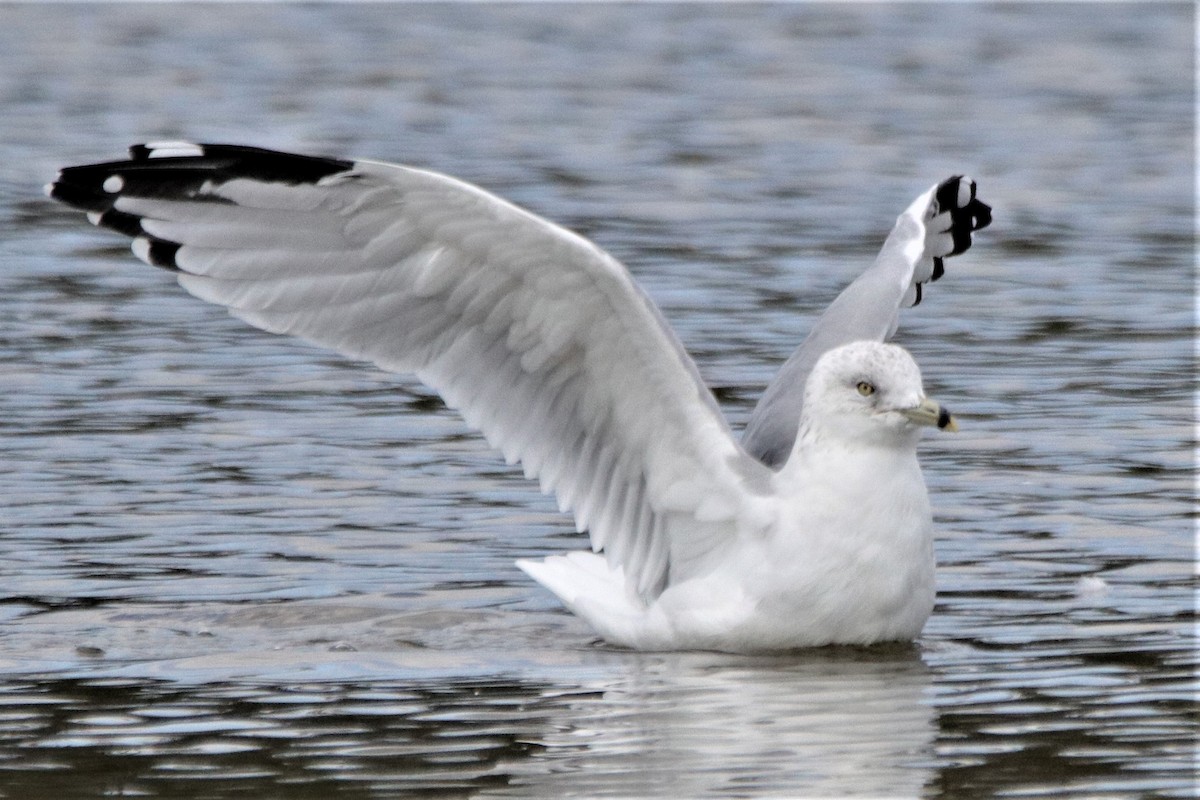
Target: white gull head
[(869, 392)]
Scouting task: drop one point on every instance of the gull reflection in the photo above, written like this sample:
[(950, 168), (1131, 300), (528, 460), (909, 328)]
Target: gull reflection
[(844, 722)]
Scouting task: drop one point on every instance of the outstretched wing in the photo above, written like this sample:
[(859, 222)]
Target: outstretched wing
[(539, 338), (937, 225)]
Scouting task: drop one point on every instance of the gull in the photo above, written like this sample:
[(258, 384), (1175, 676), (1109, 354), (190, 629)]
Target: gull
[(813, 529)]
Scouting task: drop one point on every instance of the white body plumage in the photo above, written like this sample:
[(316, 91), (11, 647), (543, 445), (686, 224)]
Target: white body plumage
[(838, 550)]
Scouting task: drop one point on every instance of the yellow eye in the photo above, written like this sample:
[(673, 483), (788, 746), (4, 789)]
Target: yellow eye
[(865, 389)]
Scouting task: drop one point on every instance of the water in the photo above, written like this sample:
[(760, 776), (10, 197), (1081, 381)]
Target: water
[(233, 565)]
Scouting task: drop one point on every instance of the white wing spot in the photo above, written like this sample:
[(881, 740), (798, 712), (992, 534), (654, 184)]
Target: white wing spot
[(964, 191), (173, 149), (113, 184), (141, 248)]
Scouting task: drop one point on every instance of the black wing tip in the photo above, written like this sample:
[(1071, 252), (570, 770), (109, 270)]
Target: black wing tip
[(157, 252), (83, 194), (228, 161), (981, 214), (956, 195), (119, 221), (179, 170)]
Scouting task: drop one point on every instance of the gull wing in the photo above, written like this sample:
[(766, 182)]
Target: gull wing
[(540, 339), (937, 225)]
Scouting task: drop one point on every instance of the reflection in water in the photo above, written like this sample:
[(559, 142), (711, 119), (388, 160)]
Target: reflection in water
[(836, 723), (589, 721), (365, 693)]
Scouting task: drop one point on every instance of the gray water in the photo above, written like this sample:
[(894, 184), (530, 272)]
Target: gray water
[(232, 565)]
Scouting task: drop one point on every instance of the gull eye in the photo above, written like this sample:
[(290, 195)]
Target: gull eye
[(865, 389)]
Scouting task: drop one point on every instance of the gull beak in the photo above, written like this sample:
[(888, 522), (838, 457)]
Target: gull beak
[(928, 412)]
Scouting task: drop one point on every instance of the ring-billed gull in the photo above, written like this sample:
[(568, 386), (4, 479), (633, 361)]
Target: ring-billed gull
[(814, 529)]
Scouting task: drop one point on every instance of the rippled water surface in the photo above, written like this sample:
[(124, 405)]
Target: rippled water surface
[(232, 565)]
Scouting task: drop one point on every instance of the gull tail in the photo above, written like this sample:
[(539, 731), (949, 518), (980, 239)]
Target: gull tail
[(587, 586)]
